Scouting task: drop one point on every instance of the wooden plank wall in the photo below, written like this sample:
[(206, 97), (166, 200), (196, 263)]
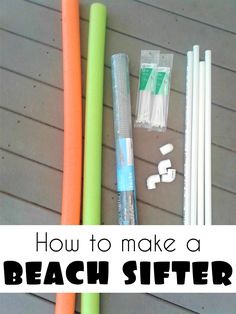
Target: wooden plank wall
[(31, 122)]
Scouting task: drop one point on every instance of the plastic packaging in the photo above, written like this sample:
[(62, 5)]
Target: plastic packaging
[(160, 103), (148, 67), (123, 140), (154, 90)]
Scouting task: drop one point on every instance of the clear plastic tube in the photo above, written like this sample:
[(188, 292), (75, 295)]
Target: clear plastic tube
[(123, 140)]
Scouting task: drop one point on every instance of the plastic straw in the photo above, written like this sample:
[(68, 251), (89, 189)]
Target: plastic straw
[(208, 188), (72, 177), (194, 154), (201, 147), (123, 140), (93, 133), (188, 139)]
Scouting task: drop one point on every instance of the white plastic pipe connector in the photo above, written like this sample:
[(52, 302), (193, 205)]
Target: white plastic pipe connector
[(169, 176), (152, 181), (163, 166), (166, 149)]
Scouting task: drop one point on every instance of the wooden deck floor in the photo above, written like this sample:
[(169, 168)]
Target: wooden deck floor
[(31, 124)]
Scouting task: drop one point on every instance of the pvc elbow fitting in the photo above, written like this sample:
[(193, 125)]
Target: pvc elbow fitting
[(169, 176), (152, 181), (163, 166)]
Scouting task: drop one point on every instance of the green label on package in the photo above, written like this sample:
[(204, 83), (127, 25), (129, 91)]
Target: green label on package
[(162, 83), (146, 78)]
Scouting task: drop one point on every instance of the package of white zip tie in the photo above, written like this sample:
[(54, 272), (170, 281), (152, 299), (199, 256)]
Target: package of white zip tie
[(154, 90), (161, 94), (148, 66)]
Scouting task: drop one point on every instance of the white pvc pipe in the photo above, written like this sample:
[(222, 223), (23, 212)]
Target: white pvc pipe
[(201, 147), (208, 193), (194, 154), (188, 139)]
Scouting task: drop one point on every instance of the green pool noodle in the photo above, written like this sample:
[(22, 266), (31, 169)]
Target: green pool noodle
[(90, 302)]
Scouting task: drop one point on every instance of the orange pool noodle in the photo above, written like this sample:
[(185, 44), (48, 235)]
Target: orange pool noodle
[(72, 177)]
